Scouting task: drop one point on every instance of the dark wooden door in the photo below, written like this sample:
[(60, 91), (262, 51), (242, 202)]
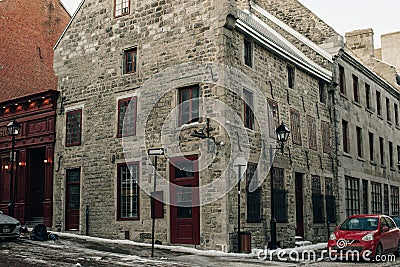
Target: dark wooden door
[(37, 181), (299, 204), (184, 197), (72, 200)]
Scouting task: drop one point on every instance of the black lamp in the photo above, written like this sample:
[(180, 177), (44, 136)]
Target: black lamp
[(13, 129)]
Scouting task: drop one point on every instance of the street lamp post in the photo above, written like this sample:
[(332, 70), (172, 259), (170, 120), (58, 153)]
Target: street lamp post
[(282, 134), (13, 129)]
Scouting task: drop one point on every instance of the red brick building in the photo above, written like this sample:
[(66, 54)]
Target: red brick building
[(28, 94)]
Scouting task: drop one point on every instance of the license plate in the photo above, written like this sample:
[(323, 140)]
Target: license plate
[(6, 230)]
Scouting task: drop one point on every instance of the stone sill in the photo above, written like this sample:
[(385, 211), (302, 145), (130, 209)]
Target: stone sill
[(347, 155)]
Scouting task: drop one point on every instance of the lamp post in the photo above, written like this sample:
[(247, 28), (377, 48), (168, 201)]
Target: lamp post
[(282, 134), (13, 129)]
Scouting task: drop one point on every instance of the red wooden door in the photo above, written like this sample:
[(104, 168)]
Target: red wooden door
[(72, 200), (184, 197), (299, 204)]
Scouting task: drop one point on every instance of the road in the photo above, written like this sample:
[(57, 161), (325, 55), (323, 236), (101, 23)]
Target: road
[(72, 253)]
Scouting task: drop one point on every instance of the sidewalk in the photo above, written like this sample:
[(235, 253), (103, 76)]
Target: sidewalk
[(178, 254)]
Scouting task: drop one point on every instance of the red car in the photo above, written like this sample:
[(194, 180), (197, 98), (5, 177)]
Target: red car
[(365, 234)]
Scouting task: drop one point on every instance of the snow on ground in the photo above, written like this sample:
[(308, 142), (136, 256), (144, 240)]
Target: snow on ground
[(215, 253)]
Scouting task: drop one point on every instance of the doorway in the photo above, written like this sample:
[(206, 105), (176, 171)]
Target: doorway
[(36, 181), (185, 211), (299, 204)]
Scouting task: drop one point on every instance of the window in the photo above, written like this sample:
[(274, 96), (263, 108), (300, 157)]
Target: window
[(388, 113), (368, 95), (394, 199), (130, 60), (127, 117), (398, 157), (352, 196), (342, 80), (317, 199), (248, 53), (280, 195), (312, 132), (326, 136), (396, 114), (73, 128), (385, 199), (290, 73), (322, 92), (253, 198), (330, 200), (121, 7), (391, 161), (376, 195), (365, 196), (378, 103), (355, 89), (345, 135), (248, 109), (359, 142), (273, 117), (188, 105), (295, 126), (381, 151), (371, 146), (128, 191)]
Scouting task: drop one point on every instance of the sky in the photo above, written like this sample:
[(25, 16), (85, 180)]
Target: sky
[(342, 15)]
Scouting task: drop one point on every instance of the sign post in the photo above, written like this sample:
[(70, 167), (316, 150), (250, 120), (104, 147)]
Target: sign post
[(154, 152)]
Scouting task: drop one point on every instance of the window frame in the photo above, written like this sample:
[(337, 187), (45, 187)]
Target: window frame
[(378, 103), (376, 198), (126, 53), (273, 116), (345, 136), (386, 199), (368, 96), (67, 127), (360, 151), (371, 146), (352, 188), (190, 102), (295, 125), (253, 199), (388, 110), (381, 151), (291, 76), (396, 114), (280, 194), (312, 133), (356, 91), (122, 8), (120, 119), (248, 52), (119, 194), (317, 199), (248, 114), (342, 80), (394, 200)]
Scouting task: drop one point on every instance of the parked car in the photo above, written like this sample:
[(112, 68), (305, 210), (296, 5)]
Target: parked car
[(10, 228), (377, 234)]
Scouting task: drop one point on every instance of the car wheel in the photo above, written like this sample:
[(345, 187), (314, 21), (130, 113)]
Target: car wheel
[(398, 250), (379, 251)]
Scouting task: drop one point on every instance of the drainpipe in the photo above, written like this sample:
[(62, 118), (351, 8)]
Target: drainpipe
[(87, 220)]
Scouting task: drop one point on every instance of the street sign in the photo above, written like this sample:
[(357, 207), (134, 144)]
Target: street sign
[(155, 151)]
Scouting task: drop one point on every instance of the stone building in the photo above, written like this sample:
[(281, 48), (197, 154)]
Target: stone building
[(137, 75), (28, 95), (367, 129)]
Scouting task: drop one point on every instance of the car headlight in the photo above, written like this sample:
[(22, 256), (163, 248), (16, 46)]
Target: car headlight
[(332, 236), (368, 237)]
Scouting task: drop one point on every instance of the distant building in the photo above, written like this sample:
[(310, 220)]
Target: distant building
[(28, 86)]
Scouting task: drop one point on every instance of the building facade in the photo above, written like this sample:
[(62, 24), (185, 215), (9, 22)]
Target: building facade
[(28, 95), (135, 76), (367, 130)]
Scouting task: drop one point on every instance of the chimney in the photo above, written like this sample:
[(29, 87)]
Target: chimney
[(361, 43)]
